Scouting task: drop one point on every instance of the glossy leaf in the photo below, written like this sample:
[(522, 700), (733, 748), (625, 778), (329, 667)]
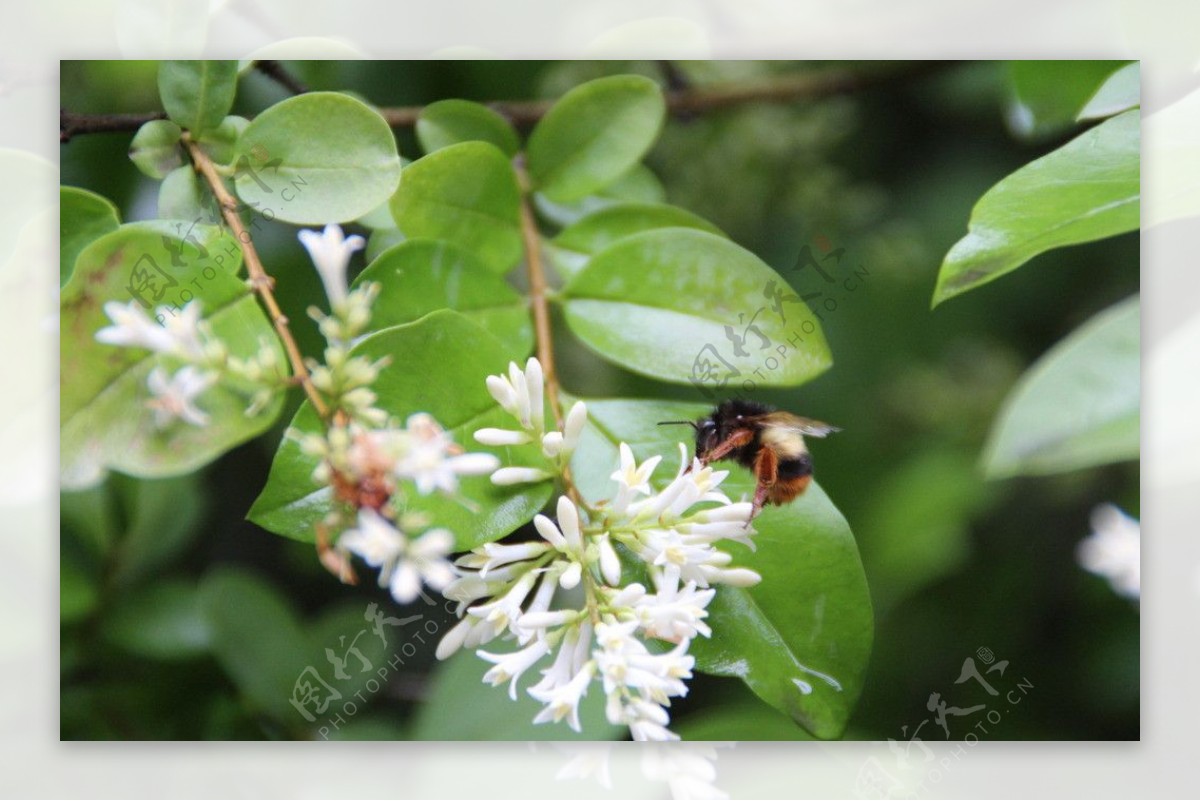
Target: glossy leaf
[(181, 197), (317, 158), (197, 94), (221, 142), (382, 239), (83, 217), (449, 122), (637, 185), (104, 422), (1046, 96), (155, 149), (420, 276), (1088, 189), (1078, 406), (595, 133), (800, 640), (162, 621), (461, 707), (1121, 91), (596, 231), (466, 194), (439, 365), (686, 305)]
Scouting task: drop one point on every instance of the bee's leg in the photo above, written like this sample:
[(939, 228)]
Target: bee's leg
[(736, 440), (766, 470)]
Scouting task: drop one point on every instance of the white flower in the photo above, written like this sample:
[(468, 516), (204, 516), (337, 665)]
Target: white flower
[(509, 667), (330, 252), (672, 612), (563, 700), (573, 427), (638, 683), (133, 328), (521, 394), (403, 564), (507, 476), (1114, 550), (499, 437), (174, 396), (428, 463), (631, 478), (184, 329)]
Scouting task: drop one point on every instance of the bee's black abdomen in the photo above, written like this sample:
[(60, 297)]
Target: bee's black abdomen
[(795, 468)]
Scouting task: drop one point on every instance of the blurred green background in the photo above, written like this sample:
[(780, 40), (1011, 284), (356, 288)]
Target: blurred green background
[(954, 563)]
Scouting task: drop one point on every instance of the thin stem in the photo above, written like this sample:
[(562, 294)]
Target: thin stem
[(541, 314), (275, 71), (260, 282), (681, 102)]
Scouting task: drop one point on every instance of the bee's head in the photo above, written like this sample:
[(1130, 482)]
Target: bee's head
[(707, 436)]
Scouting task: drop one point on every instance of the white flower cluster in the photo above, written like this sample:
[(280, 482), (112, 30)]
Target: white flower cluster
[(199, 360), (521, 393), (600, 630), (364, 454), (364, 467)]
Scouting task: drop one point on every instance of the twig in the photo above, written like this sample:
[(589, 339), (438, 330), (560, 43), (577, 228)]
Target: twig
[(531, 240), (275, 71), (680, 103), (259, 280), (71, 124), (537, 293)]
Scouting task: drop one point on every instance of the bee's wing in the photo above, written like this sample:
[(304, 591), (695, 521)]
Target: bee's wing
[(801, 425)]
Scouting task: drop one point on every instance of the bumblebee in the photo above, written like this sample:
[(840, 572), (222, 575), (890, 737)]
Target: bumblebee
[(766, 440)]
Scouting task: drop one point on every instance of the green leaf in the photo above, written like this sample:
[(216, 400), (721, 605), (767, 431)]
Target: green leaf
[(461, 707), (1088, 189), (800, 640), (449, 122), (197, 94), (638, 185), (1046, 96), (599, 229), (752, 721), (594, 134), (381, 240), (1078, 406), (1120, 92), (317, 158), (440, 365), (181, 197), (221, 142), (256, 638), (104, 421), (155, 148), (671, 303), (421, 275), (163, 621), (83, 217), (466, 194)]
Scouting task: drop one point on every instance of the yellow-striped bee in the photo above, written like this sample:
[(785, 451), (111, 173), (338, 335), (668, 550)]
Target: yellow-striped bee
[(766, 440)]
